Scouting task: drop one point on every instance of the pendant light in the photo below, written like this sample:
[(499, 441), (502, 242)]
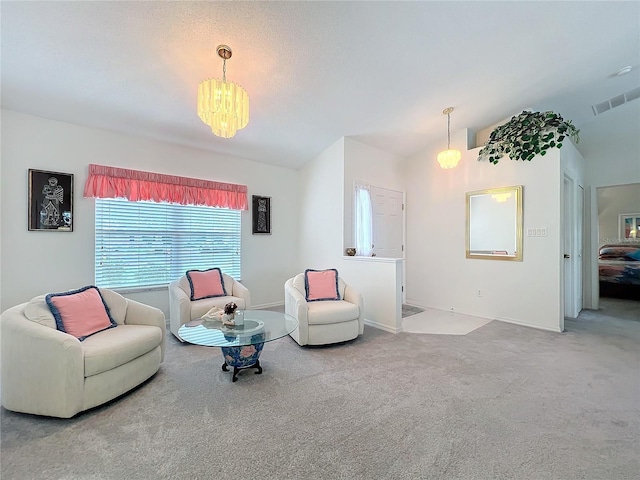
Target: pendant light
[(449, 158), (222, 105)]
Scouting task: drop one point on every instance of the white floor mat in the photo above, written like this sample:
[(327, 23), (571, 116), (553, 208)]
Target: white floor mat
[(438, 322)]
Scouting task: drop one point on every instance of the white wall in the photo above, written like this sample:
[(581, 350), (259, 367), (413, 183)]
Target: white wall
[(438, 274), (1, 228), (40, 262), (377, 279), (321, 209)]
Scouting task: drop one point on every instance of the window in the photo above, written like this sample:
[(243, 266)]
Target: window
[(142, 244)]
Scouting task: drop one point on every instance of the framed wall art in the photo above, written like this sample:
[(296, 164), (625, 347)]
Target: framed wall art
[(629, 226), (50, 201), (261, 210)]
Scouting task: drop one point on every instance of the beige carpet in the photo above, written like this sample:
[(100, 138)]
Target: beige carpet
[(438, 322), (504, 402)]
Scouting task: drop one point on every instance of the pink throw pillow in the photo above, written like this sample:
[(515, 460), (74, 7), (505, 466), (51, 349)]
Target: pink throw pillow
[(321, 285), (80, 312), (206, 284)]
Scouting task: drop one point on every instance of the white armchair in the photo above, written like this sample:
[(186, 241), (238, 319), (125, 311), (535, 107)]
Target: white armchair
[(182, 309), (327, 321), (46, 371)]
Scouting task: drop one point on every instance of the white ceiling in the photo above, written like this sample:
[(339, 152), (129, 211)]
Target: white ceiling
[(380, 72)]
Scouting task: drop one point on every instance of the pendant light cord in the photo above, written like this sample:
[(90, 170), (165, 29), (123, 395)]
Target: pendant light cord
[(224, 70), (448, 131)]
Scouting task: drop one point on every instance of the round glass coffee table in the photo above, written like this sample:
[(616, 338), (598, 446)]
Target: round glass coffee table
[(241, 344)]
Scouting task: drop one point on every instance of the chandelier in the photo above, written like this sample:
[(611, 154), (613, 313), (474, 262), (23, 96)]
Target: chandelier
[(449, 158), (501, 197), (222, 105)]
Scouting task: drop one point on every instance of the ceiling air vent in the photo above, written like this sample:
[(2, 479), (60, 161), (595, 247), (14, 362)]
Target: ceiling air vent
[(633, 94), (616, 101), (601, 108)]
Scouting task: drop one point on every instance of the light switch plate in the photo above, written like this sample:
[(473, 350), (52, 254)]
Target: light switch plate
[(537, 232)]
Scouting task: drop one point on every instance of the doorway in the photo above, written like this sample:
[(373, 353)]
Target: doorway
[(572, 238), (387, 231), (388, 227), (618, 215)]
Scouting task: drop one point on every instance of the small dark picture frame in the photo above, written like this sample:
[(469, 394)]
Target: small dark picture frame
[(261, 210), (50, 201)]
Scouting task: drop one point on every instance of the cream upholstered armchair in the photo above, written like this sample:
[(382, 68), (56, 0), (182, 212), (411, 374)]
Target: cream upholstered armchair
[(182, 309), (323, 321), (49, 371)]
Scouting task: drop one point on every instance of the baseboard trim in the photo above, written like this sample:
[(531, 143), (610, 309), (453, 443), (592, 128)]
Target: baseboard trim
[(266, 305), (380, 326), (529, 325), (412, 303)]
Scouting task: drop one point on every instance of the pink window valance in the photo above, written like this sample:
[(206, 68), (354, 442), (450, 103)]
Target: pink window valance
[(135, 185)]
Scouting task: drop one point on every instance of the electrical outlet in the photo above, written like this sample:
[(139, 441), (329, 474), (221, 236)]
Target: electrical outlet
[(479, 294)]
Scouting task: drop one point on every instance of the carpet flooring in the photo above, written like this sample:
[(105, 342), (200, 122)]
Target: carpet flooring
[(503, 402)]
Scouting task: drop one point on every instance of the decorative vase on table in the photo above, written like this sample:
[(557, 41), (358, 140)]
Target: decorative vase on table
[(247, 356), (242, 356)]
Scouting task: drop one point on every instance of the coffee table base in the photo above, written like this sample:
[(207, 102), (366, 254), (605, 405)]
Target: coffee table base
[(239, 358), (236, 370)]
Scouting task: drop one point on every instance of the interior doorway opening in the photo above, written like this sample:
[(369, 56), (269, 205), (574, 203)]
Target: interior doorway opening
[(618, 248)]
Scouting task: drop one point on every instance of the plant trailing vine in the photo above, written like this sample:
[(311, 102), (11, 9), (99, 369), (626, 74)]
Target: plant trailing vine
[(527, 135)]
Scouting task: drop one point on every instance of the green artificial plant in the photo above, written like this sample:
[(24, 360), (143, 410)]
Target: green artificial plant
[(527, 135)]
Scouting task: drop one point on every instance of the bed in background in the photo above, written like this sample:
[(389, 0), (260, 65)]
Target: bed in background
[(619, 271)]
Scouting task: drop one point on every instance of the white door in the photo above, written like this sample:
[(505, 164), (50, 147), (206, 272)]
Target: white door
[(572, 224), (387, 222), (567, 241), (579, 248)]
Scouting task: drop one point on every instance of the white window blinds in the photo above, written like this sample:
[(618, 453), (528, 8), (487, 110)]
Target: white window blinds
[(142, 244)]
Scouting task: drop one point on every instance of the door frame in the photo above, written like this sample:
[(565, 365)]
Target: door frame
[(573, 227)]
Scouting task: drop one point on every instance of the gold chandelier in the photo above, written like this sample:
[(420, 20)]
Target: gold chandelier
[(222, 105), (449, 158)]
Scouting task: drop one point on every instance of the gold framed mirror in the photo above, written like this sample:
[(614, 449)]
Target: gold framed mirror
[(494, 224)]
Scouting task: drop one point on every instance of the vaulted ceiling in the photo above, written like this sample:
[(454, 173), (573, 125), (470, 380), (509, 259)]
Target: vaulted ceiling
[(380, 72)]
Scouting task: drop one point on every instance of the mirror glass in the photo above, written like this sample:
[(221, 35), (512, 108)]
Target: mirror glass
[(494, 223)]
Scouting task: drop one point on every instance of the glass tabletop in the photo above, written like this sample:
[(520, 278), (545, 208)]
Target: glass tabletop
[(259, 326)]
